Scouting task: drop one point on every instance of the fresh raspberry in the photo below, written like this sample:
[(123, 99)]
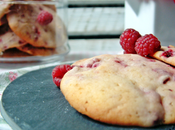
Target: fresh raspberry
[(58, 73), (44, 18), (128, 39), (147, 45)]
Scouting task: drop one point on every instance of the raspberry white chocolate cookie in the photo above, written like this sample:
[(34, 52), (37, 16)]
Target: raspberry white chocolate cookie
[(13, 53), (3, 20), (36, 51), (126, 89), (166, 54), (4, 8), (23, 21), (9, 39)]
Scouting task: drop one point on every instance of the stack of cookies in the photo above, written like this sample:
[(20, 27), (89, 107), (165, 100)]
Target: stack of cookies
[(22, 35)]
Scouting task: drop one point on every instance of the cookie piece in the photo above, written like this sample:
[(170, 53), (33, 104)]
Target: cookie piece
[(4, 8), (166, 54), (127, 89), (9, 39), (23, 21), (3, 20), (36, 51), (13, 53)]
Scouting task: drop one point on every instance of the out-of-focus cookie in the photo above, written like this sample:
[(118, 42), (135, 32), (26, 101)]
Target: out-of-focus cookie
[(4, 8), (166, 54), (9, 39), (127, 89), (13, 53), (36, 51), (53, 7), (23, 21), (3, 20)]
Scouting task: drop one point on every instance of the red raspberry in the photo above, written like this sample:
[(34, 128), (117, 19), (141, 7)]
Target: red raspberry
[(147, 45), (128, 39), (58, 73), (44, 18)]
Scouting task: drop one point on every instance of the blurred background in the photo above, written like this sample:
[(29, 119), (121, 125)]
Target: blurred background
[(95, 18), (109, 18)]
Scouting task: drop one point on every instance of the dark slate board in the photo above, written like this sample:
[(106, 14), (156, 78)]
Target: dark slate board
[(33, 102)]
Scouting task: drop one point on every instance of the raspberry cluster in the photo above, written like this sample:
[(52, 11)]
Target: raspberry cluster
[(132, 42)]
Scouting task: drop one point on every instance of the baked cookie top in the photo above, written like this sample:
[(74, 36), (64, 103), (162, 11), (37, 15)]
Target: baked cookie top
[(126, 89), (4, 7), (166, 54), (23, 21)]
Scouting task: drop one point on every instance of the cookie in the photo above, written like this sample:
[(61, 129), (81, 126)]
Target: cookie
[(4, 8), (9, 39), (3, 20), (53, 7), (166, 54), (36, 51), (127, 89), (23, 21), (13, 53)]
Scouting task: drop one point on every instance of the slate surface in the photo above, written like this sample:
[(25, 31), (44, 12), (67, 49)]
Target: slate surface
[(33, 102)]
